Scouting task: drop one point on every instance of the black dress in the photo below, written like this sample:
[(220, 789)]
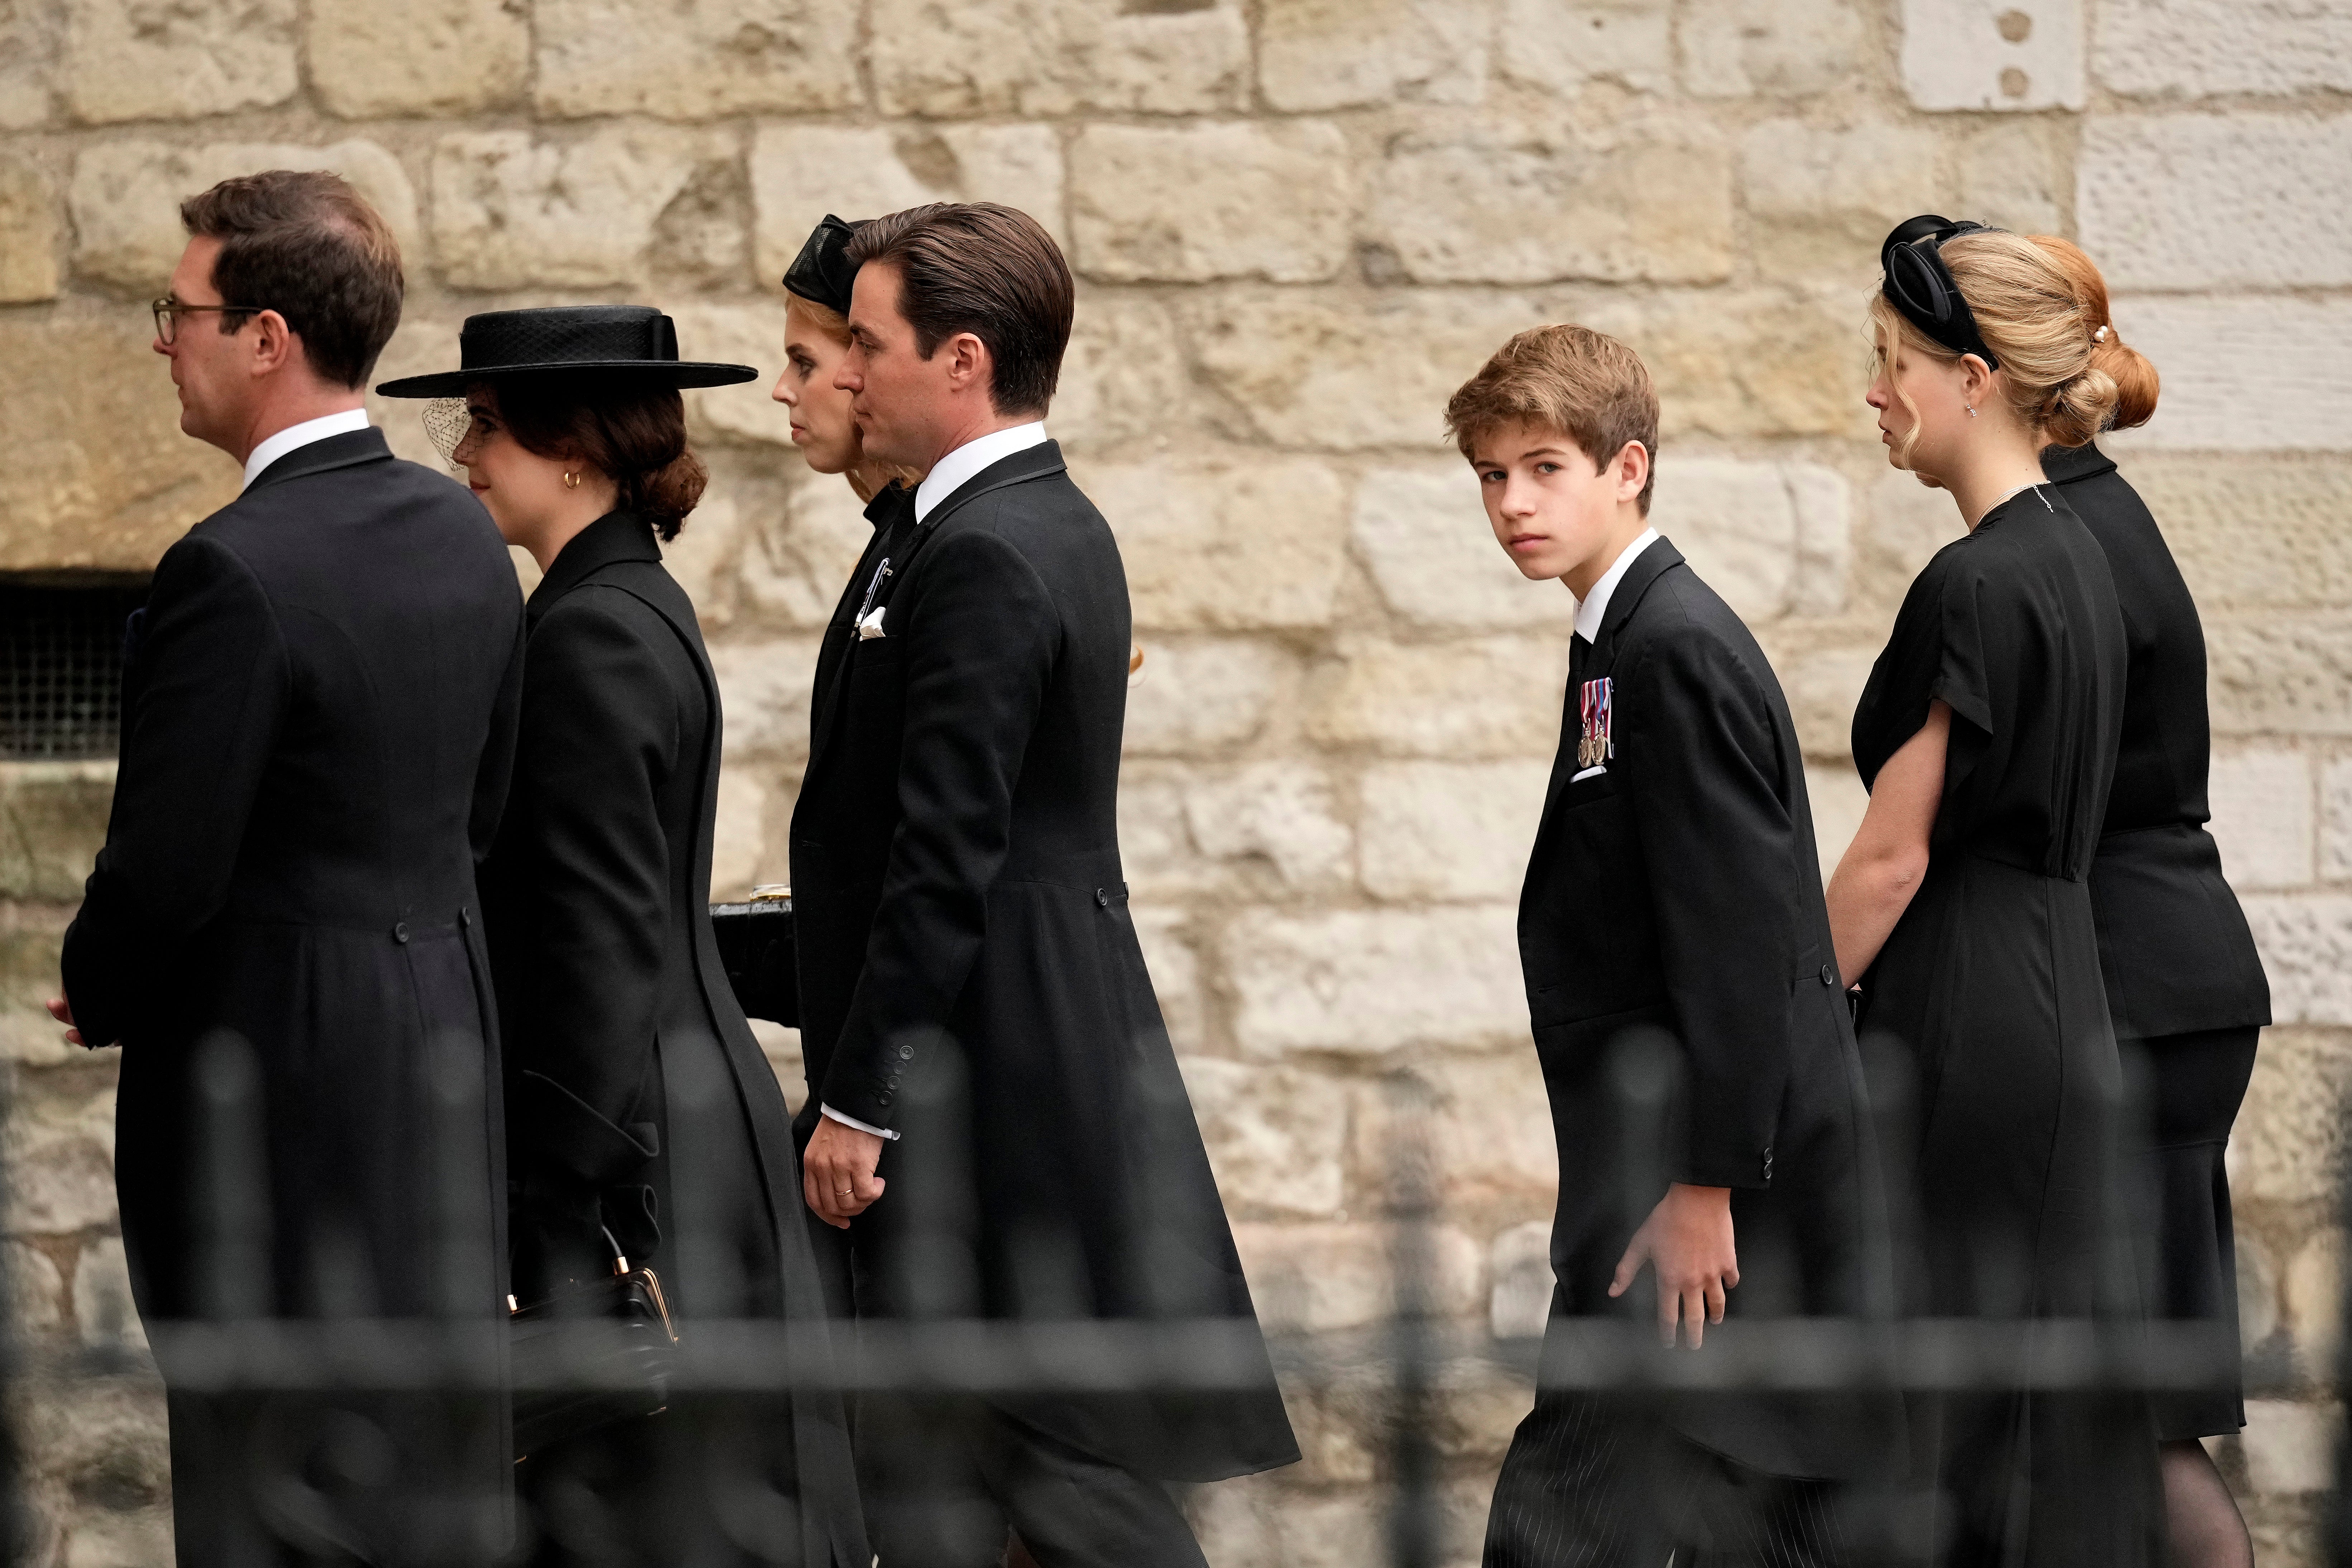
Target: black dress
[(2184, 982), (319, 712), (637, 1098), (1989, 990)]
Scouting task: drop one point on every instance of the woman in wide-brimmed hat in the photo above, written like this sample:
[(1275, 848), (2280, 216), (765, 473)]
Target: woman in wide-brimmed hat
[(642, 1118)]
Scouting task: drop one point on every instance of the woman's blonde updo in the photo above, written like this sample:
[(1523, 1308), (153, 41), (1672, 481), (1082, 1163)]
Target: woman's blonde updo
[(2040, 304)]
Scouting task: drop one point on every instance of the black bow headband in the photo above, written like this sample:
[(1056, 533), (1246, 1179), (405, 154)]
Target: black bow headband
[(1919, 285), (823, 271)]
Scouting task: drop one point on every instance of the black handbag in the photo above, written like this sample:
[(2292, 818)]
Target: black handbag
[(755, 947), (589, 1356)]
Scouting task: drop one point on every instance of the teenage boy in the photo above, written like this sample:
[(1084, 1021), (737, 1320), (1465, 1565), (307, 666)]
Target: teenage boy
[(1673, 936)]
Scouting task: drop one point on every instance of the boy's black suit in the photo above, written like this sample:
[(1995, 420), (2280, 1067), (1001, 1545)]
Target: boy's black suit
[(971, 978), (283, 934), (1673, 895)]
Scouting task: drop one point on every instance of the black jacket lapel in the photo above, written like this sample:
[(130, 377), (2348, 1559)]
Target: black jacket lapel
[(615, 537), (884, 512), (1648, 567)]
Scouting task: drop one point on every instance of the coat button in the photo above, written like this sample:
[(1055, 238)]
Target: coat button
[(1102, 899), (906, 1053), (1829, 975), (400, 932), (465, 916), (883, 1098)]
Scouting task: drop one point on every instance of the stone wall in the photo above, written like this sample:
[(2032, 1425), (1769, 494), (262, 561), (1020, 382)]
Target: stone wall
[(1298, 224)]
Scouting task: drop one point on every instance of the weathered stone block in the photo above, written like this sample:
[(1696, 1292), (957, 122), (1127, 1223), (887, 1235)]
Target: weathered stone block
[(1155, 840), (36, 1292), (103, 1312), (2258, 1281), (1732, 48), (739, 833), (1059, 57), (1337, 54), (30, 940), (1305, 370), (2306, 948), (1211, 199), (1752, 362), (2290, 1448), (2016, 174), (1360, 981), (59, 1143), (98, 474), (800, 551), (1320, 1279), (1123, 377), (1561, 47), (2197, 49), (2252, 373), (1823, 687), (2146, 187), (2288, 1142), (1822, 199), (1175, 970), (2315, 1302), (429, 56), (1225, 545), (1450, 830), (1496, 697), (1479, 1126), (1521, 1303), (748, 334), (2261, 802), (800, 172), (512, 210), (764, 687), (29, 233), (1277, 815), (695, 61), (2262, 534), (1275, 1137), (52, 821), (1991, 54), (1839, 802), (126, 59), (126, 199), (2336, 819), (1737, 522), (1202, 694), (1651, 205), (2285, 672), (1424, 533), (29, 36)]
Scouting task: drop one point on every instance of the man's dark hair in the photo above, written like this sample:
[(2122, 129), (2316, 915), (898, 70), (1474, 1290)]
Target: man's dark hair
[(304, 244), (990, 270)]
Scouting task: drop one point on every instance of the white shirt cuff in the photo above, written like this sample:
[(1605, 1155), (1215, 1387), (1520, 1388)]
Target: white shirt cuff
[(854, 1122)]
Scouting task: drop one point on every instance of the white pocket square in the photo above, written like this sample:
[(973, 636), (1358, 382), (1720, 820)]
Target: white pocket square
[(1587, 773), (871, 625)]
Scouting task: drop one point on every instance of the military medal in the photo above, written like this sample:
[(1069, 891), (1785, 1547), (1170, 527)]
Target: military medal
[(1594, 744)]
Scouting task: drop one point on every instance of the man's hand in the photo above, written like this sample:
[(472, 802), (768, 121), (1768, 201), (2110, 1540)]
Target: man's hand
[(838, 1173), (1688, 1238), (62, 1011)]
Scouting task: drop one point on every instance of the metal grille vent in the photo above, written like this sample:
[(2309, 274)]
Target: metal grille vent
[(61, 665)]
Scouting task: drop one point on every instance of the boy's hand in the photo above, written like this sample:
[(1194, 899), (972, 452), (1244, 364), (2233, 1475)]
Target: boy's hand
[(1688, 1238)]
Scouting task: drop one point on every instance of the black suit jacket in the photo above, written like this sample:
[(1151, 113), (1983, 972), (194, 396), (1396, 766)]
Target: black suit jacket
[(970, 975), (637, 1098), (2175, 946), (1687, 1008), (318, 721)]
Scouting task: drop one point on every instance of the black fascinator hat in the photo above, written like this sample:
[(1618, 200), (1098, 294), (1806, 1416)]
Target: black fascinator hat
[(634, 341), (1919, 285), (823, 271)]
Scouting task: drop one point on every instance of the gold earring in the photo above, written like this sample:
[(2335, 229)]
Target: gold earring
[(572, 480)]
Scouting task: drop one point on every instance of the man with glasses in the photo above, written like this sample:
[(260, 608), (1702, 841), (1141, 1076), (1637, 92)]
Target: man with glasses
[(281, 933)]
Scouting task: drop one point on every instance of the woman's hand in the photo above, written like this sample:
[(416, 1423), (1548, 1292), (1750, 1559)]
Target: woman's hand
[(1688, 1238), (62, 1011), (837, 1172)]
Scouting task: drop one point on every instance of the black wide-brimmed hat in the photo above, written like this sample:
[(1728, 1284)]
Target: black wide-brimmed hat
[(634, 339)]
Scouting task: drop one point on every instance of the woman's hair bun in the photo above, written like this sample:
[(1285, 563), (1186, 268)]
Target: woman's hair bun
[(2081, 408), (2133, 377)]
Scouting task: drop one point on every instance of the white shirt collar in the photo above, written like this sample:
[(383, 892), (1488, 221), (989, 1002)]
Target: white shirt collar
[(302, 434), (949, 474), (1593, 608)]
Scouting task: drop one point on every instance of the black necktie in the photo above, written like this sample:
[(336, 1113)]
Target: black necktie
[(1580, 658)]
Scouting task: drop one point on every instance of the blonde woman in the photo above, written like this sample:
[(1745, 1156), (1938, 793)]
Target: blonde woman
[(1988, 735)]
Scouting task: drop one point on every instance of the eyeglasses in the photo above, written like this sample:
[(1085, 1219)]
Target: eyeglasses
[(168, 311)]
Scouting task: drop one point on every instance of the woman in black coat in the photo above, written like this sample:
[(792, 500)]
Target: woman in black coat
[(642, 1118), (2184, 982)]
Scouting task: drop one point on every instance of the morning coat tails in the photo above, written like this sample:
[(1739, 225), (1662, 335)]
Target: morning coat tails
[(1673, 908), (970, 976), (282, 933)]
